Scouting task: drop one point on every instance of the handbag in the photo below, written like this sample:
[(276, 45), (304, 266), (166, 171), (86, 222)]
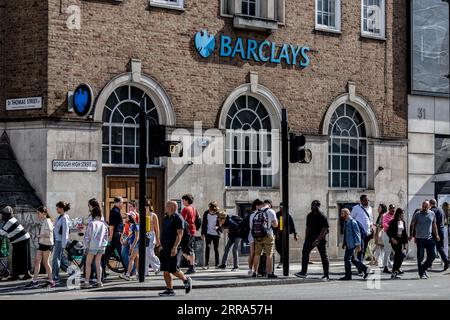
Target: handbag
[(379, 237)]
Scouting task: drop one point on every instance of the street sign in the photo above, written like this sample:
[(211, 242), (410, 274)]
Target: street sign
[(74, 165), (83, 100), (24, 103)]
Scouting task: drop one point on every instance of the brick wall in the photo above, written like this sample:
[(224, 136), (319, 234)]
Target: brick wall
[(163, 39), (24, 53)]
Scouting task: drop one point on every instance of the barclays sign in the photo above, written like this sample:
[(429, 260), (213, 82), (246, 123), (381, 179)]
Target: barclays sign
[(249, 49)]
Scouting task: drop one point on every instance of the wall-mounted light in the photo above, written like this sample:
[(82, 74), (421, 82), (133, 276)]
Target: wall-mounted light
[(380, 168)]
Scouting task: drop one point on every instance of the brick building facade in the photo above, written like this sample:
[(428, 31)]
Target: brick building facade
[(149, 46)]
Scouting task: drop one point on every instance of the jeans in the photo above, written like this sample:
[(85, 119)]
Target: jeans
[(126, 258), (150, 256), (398, 257), (349, 258), (215, 239), (361, 254), (58, 260), (440, 246), (387, 251), (430, 246), (322, 247), (235, 243)]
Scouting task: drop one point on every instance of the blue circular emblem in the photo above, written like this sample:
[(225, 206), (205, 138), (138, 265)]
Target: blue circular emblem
[(83, 99)]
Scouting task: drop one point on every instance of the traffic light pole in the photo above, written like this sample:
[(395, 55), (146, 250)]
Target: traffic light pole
[(142, 188), (285, 190)]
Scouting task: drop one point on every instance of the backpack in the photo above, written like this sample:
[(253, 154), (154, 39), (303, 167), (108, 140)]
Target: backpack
[(236, 223), (186, 233), (244, 228), (198, 220), (260, 227)]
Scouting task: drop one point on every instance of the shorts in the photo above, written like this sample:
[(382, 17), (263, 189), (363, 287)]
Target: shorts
[(265, 244), (96, 251), (168, 263), (44, 247), (188, 248)]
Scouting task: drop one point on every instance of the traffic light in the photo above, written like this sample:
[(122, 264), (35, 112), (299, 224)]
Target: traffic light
[(297, 151), (159, 147)]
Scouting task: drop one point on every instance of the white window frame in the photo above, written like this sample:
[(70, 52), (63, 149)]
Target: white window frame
[(337, 28), (177, 5), (368, 34), (257, 8)]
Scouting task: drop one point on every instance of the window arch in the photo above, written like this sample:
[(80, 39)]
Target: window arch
[(347, 159), (248, 144), (120, 144)]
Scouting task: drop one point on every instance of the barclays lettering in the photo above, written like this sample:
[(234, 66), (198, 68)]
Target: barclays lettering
[(250, 49)]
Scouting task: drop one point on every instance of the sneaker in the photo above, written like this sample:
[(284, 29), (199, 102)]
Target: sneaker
[(98, 285), (254, 275), (345, 278), (188, 285), (325, 278), (366, 273), (27, 276), (272, 276), (279, 266), (218, 267), (85, 285), (400, 271), (360, 273), (446, 265), (423, 277), (222, 266), (190, 271), (13, 278), (250, 272), (204, 268), (32, 285), (157, 271), (124, 276), (395, 275), (426, 274), (167, 293), (300, 275), (50, 284), (235, 269), (386, 270)]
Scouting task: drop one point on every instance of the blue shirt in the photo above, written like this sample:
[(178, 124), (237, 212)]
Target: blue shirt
[(133, 229)]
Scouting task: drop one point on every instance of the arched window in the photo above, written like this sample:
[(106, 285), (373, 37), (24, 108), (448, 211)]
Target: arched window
[(248, 144), (121, 125), (347, 159)]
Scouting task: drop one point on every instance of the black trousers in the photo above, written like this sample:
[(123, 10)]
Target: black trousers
[(398, 256), (117, 246), (322, 247), (215, 240), (279, 246), (21, 260)]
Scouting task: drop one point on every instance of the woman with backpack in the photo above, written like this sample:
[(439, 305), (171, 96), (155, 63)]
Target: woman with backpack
[(61, 236), (233, 224), (20, 240), (133, 240), (45, 249), (210, 234), (95, 241)]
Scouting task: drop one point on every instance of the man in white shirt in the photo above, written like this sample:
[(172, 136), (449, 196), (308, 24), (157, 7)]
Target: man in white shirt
[(363, 214), (261, 227)]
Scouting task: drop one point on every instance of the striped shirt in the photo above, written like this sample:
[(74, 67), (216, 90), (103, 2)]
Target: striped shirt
[(14, 230)]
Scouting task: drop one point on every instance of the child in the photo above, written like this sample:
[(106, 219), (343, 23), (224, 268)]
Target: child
[(134, 247), (95, 240), (45, 249)]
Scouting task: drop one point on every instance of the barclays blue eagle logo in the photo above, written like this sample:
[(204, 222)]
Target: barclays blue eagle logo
[(81, 99), (204, 43)]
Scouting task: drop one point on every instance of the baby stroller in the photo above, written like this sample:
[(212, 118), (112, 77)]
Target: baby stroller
[(75, 251), (4, 253)]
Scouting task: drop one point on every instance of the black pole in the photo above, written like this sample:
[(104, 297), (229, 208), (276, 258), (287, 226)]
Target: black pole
[(285, 190), (142, 187)]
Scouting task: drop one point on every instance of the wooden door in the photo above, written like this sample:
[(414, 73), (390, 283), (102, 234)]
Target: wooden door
[(128, 189)]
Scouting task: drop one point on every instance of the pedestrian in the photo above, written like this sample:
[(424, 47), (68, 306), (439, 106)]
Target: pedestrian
[(172, 235), (279, 233), (446, 209), (20, 240), (440, 222), (61, 237), (352, 244), (378, 236), (125, 244), (116, 228), (133, 209), (363, 214), (317, 228), (210, 234), (399, 241), (233, 224), (261, 226), (247, 235), (387, 218), (423, 225), (45, 247), (189, 214), (153, 240), (133, 239), (95, 242)]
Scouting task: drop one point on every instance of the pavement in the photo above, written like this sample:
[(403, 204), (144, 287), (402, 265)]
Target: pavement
[(214, 278)]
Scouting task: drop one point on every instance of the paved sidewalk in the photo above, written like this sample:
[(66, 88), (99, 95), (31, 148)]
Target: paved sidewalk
[(221, 279)]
